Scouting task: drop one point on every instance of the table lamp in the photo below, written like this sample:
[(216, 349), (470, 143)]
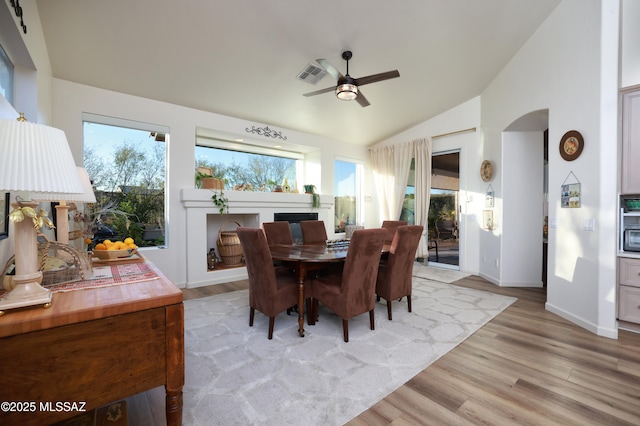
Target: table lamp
[(62, 210), (33, 158)]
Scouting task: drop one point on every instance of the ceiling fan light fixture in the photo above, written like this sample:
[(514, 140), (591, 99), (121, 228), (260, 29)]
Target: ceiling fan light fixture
[(347, 91)]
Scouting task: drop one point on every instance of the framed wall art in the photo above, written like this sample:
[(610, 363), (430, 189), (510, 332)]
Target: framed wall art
[(571, 145), (489, 197), (487, 219), (570, 192)]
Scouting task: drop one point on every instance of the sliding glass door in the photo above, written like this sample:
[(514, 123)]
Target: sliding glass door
[(444, 238)]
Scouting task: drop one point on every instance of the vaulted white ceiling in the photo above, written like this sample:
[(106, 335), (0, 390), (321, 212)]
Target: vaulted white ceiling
[(241, 58)]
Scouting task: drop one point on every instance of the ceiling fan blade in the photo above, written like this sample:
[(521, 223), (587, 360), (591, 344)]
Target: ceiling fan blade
[(318, 92), (362, 100), (377, 77), (330, 69)]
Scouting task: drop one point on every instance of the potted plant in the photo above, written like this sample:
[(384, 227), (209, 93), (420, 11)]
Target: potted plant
[(315, 198), (209, 178), (220, 201)]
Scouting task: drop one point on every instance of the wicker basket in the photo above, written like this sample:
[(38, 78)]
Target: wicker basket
[(71, 265), (229, 245)]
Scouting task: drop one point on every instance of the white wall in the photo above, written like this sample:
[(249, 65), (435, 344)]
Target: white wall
[(72, 99), (560, 69), (522, 210), (574, 75)]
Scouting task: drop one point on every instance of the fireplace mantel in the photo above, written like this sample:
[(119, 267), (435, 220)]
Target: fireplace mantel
[(243, 201), (246, 208)]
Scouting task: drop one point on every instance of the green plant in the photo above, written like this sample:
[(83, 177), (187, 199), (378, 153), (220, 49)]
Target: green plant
[(220, 201), (315, 200), (208, 172)]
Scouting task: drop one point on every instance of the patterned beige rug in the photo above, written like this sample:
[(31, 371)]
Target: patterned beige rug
[(236, 376), (432, 273)]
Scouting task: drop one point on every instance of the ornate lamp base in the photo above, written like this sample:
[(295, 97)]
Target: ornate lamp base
[(27, 292)]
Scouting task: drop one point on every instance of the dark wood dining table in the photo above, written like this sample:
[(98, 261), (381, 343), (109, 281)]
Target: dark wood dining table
[(305, 258)]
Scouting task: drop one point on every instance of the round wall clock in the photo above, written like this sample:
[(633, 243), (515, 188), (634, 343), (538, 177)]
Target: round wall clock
[(571, 145), (486, 170)]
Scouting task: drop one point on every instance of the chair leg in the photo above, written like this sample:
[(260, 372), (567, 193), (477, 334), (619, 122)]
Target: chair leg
[(345, 329), (252, 312), (311, 319), (372, 319), (272, 320), (409, 302), (389, 309)]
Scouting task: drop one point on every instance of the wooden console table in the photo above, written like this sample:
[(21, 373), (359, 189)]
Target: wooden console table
[(90, 348)]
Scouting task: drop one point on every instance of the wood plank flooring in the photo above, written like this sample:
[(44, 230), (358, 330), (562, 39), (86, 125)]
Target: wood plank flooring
[(526, 366)]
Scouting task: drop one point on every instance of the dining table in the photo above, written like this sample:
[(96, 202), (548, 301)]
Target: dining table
[(305, 258)]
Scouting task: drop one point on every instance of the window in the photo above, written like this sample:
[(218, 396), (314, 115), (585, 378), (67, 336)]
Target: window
[(347, 190), (408, 206), (126, 162), (256, 168), (6, 76)]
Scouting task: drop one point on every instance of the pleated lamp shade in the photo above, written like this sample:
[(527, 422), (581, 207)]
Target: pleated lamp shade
[(87, 195), (36, 158)]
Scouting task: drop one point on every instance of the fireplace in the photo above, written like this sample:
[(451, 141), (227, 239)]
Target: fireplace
[(294, 220)]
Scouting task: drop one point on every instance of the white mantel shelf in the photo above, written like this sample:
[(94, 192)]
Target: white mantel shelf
[(252, 202), (247, 208)]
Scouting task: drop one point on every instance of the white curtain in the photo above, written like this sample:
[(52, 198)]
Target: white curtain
[(422, 153), (391, 166)]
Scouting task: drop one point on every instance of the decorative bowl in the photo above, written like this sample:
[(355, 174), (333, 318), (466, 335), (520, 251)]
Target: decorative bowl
[(113, 254)]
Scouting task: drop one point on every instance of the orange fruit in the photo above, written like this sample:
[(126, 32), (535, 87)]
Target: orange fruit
[(128, 241), (101, 247)]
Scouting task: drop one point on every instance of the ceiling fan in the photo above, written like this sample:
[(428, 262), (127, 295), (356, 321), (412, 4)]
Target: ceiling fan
[(347, 87)]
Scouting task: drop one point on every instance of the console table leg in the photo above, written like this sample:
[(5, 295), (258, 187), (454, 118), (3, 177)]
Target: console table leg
[(174, 408)]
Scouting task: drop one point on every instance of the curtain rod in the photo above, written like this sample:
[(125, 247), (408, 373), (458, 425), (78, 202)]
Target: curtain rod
[(471, 129)]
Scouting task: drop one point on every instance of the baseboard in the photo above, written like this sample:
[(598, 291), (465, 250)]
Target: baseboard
[(587, 325)]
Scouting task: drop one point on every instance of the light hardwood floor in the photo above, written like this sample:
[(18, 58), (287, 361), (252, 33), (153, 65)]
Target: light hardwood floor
[(526, 366)]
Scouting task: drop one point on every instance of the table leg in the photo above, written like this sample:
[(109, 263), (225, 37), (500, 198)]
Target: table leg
[(175, 364), (302, 273)]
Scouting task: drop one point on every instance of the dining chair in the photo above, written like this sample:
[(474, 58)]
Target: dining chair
[(313, 232), (394, 279), (277, 232), (351, 292), (269, 292), (391, 226)]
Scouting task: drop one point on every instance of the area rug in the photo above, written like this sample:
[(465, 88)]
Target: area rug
[(437, 274), (236, 376)]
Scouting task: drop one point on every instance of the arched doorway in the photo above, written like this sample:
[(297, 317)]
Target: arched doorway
[(525, 201)]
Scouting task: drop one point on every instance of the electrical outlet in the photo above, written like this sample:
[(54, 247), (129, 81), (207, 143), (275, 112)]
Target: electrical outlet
[(496, 262), (484, 259)]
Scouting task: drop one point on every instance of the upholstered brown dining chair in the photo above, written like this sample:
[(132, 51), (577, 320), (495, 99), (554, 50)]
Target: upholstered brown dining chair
[(351, 292), (313, 232), (391, 226), (269, 292), (277, 233), (395, 274)]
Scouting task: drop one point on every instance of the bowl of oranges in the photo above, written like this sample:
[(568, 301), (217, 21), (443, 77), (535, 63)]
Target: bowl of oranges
[(108, 249)]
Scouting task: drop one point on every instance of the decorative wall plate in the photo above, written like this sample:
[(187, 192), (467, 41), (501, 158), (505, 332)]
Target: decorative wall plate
[(571, 145), (486, 170)]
